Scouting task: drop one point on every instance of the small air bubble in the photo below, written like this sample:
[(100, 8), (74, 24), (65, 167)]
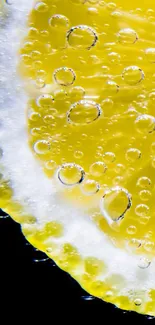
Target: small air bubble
[(42, 147), (64, 76), (109, 157), (71, 174), (137, 302), (127, 36), (142, 210), (131, 230), (133, 154), (150, 54), (82, 36), (144, 182), (98, 169), (90, 187), (145, 123), (41, 7), (59, 21), (133, 75), (45, 101), (83, 112), (145, 195), (144, 263), (115, 203)]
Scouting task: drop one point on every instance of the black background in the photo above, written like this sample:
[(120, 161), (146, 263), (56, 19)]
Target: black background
[(31, 287)]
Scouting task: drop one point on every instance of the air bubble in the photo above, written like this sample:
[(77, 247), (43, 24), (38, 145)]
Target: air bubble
[(150, 54), (107, 105), (82, 36), (133, 75), (137, 302), (133, 154), (64, 76), (98, 169), (26, 59), (78, 154), (92, 11), (41, 7), (60, 94), (134, 244), (153, 162), (41, 74), (44, 33), (77, 92), (59, 21), (127, 36), (109, 157), (45, 101), (71, 174), (90, 187), (33, 32), (83, 112), (144, 182), (145, 195), (153, 147), (120, 169), (116, 14), (35, 117), (50, 164), (114, 57), (40, 83), (131, 230), (112, 87), (142, 210), (42, 147), (115, 203), (149, 246), (145, 123), (144, 263), (48, 119), (118, 180)]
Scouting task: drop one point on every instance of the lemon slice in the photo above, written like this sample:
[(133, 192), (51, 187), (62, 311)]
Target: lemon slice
[(77, 130)]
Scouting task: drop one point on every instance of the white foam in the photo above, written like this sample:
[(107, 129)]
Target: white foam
[(31, 187)]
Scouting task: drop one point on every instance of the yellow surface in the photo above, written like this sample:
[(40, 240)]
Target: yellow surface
[(94, 123), (115, 149)]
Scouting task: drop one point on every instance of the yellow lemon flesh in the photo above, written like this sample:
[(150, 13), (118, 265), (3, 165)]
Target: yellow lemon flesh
[(77, 136)]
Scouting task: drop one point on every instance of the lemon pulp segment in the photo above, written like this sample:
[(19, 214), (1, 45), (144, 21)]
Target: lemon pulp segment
[(78, 140)]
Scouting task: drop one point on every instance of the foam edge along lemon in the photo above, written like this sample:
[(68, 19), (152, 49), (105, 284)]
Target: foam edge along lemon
[(77, 146)]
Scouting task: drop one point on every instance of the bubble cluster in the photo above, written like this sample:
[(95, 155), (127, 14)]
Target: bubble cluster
[(92, 120), (89, 67)]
